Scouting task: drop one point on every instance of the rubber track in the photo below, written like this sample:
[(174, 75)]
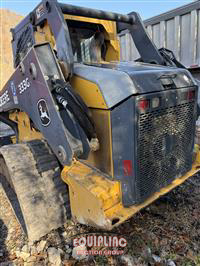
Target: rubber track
[(33, 172)]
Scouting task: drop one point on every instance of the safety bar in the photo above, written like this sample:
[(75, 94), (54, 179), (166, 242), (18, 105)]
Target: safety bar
[(94, 13)]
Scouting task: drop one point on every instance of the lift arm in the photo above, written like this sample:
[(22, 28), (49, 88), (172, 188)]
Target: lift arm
[(30, 90), (52, 13)]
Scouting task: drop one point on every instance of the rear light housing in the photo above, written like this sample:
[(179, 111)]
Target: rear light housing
[(191, 95), (144, 104), (155, 102)]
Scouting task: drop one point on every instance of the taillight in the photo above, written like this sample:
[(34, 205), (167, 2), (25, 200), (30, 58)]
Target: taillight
[(128, 170), (144, 104), (155, 102), (191, 95)]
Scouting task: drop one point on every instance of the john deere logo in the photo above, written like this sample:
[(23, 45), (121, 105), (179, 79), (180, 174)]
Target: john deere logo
[(43, 112)]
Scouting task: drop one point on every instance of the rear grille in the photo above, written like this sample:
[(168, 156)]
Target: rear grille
[(165, 147)]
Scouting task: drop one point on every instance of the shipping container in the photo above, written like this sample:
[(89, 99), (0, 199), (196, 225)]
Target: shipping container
[(177, 30)]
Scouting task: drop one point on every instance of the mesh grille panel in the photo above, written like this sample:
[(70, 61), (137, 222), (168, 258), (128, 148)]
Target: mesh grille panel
[(165, 147)]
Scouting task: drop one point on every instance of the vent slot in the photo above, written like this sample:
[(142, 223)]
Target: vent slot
[(165, 145)]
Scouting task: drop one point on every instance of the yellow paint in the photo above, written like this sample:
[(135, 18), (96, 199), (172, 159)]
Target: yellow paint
[(102, 159), (44, 34), (102, 197), (109, 26), (113, 47), (113, 51), (125, 213), (89, 92), (26, 133), (99, 193)]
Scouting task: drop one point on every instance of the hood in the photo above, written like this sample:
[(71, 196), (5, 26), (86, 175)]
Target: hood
[(131, 78)]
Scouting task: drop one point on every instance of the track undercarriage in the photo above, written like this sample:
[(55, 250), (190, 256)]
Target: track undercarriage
[(30, 175)]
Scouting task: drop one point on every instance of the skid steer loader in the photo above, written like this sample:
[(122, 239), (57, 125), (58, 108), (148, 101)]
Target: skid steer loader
[(94, 138)]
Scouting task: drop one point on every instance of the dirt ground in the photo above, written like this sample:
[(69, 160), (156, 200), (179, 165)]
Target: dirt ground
[(165, 233)]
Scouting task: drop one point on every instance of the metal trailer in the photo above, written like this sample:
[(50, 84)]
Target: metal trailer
[(177, 30)]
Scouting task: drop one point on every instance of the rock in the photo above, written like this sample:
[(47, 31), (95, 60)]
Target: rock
[(54, 256), (9, 236), (26, 248), (7, 263), (156, 258), (12, 256), (66, 257), (68, 249), (29, 264), (14, 263), (69, 262), (11, 230), (46, 262), (127, 260), (1, 253), (17, 253), (41, 246), (30, 243), (78, 252), (54, 239), (147, 254), (170, 263), (23, 255), (64, 234), (61, 251), (31, 259), (34, 250)]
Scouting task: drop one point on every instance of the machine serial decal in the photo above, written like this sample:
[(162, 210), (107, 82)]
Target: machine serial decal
[(14, 92), (23, 85), (4, 98), (43, 112)]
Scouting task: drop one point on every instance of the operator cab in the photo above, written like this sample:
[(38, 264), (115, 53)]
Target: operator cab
[(88, 41)]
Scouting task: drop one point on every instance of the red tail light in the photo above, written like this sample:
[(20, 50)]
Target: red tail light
[(144, 104), (128, 168), (191, 95)]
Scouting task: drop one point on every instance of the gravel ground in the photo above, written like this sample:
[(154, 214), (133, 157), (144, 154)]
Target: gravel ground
[(165, 233)]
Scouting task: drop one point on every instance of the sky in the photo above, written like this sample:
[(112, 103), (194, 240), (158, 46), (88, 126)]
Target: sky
[(146, 8)]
